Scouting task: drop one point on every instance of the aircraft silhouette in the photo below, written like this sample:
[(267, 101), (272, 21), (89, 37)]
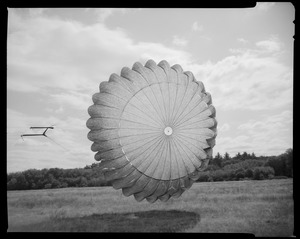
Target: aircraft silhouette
[(43, 134)]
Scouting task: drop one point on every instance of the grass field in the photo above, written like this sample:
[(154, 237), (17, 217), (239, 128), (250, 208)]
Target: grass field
[(263, 208)]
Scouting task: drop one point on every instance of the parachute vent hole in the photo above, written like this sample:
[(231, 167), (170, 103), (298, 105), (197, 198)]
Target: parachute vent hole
[(168, 131)]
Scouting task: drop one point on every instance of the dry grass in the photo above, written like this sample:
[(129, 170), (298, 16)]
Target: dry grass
[(264, 208), (147, 221)]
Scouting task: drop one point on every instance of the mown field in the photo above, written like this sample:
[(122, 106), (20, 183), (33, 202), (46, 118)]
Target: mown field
[(263, 208)]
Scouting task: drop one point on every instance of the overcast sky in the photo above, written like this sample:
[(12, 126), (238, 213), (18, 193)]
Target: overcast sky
[(56, 59)]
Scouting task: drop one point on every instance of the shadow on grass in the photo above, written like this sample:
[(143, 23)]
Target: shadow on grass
[(143, 221)]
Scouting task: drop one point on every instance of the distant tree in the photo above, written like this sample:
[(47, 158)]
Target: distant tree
[(238, 156), (55, 184), (220, 168), (277, 164), (83, 182), (226, 156), (56, 178), (217, 160), (30, 178), (244, 156), (268, 172), (210, 179), (212, 167), (287, 157), (88, 167), (257, 174), (94, 165), (55, 172), (239, 173), (22, 184), (12, 184), (217, 175), (203, 177), (48, 186), (248, 163), (249, 173), (260, 173), (64, 185)]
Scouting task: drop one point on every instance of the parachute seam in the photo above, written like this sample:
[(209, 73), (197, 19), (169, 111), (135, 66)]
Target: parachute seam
[(150, 162), (200, 134), (146, 157), (151, 91), (120, 111), (180, 136), (128, 152), (175, 95), (167, 77), (114, 118), (184, 108), (180, 123), (192, 153), (139, 100), (159, 88), (128, 102), (161, 144), (118, 147), (177, 148), (174, 118), (165, 159), (160, 157), (187, 154), (151, 192), (169, 144), (143, 92), (137, 187), (205, 120), (175, 156)]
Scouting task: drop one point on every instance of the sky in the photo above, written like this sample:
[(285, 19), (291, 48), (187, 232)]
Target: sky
[(57, 57)]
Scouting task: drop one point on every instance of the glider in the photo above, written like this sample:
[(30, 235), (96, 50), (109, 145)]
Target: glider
[(153, 128), (43, 134)]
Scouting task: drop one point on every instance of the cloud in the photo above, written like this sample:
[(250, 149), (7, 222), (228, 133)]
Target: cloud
[(225, 127), (179, 41), (270, 45), (265, 6), (233, 145), (242, 40), (270, 134), (249, 79), (45, 53), (273, 123), (74, 99), (59, 110), (67, 145), (65, 61), (36, 11), (196, 27), (158, 52), (104, 13)]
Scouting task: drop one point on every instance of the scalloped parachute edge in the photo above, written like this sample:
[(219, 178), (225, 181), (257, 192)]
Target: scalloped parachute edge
[(127, 123)]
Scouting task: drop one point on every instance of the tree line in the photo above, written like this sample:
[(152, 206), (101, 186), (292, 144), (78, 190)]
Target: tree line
[(221, 168), (248, 167), (89, 176)]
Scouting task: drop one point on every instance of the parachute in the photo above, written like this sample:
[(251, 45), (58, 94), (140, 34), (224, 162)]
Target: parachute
[(153, 128)]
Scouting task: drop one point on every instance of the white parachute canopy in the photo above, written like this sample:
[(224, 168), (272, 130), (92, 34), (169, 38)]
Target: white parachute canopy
[(153, 128)]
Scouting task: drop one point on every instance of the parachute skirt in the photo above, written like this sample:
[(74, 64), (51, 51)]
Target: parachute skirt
[(153, 128)]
